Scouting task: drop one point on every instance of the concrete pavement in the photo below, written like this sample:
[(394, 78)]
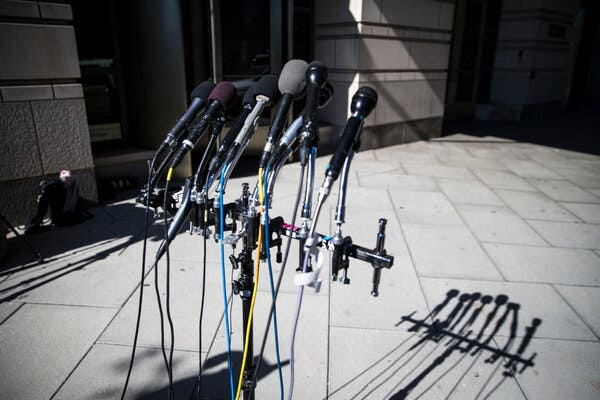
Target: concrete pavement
[(494, 293)]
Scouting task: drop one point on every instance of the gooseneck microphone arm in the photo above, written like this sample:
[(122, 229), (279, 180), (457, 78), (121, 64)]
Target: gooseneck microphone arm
[(186, 203), (276, 126)]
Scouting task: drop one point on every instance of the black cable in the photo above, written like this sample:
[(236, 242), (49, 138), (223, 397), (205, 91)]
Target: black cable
[(279, 279), (198, 384), (143, 275), (168, 298), (162, 324)]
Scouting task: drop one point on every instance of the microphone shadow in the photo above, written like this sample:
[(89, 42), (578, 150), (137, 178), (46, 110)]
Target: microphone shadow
[(465, 335), (215, 379)]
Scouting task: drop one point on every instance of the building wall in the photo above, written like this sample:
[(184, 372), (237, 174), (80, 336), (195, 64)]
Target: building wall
[(401, 48), (43, 122), (533, 58)]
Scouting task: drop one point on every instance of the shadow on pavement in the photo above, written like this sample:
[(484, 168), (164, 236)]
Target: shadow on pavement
[(72, 248), (215, 379), (572, 130), (469, 331)]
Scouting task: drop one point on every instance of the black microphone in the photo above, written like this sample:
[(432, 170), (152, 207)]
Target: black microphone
[(265, 93), (178, 219), (221, 98), (249, 101), (199, 96), (291, 84), (361, 106), (316, 76), (284, 147)]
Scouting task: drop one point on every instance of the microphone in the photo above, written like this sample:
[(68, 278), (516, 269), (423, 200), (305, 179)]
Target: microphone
[(266, 93), (248, 103), (316, 76), (199, 95), (291, 84), (363, 102), (285, 145), (221, 98), (178, 219)]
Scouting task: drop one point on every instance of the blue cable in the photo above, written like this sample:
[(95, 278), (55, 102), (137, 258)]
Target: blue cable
[(223, 280), (268, 251)]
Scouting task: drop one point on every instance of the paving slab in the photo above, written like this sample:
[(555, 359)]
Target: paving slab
[(310, 345), (567, 234), (469, 192), (498, 224), (535, 301), (46, 342), (563, 370), (589, 213), (423, 208), (563, 190), (374, 167), (377, 364), (437, 171), (471, 162), (530, 169), (102, 373), (586, 302), (502, 180), (91, 281), (398, 181), (579, 176), (535, 206), (399, 294), (448, 251), (186, 281), (545, 264), (7, 309)]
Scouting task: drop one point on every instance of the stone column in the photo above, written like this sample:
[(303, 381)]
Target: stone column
[(399, 47), (532, 59), (43, 122)]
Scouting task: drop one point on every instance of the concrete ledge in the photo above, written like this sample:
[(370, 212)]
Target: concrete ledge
[(69, 91), (15, 8), (56, 11), (25, 93)]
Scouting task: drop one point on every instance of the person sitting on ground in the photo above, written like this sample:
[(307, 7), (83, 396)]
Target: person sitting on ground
[(61, 196)]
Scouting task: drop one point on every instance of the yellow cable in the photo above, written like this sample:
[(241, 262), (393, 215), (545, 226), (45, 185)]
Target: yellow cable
[(169, 174), (254, 291)]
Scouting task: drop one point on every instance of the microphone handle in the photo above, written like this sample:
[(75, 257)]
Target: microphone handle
[(196, 132), (287, 140), (347, 140), (178, 219), (217, 160), (276, 127), (247, 130), (177, 131), (312, 104), (217, 127)]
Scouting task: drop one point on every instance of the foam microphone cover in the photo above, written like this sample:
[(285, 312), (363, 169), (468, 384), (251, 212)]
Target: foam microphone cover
[(293, 77), (250, 96), (224, 93), (267, 86), (203, 90)]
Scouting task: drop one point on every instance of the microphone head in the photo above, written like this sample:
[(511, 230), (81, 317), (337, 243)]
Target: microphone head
[(267, 86), (224, 92), (250, 95), (293, 77), (202, 91), (316, 73), (363, 101)]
